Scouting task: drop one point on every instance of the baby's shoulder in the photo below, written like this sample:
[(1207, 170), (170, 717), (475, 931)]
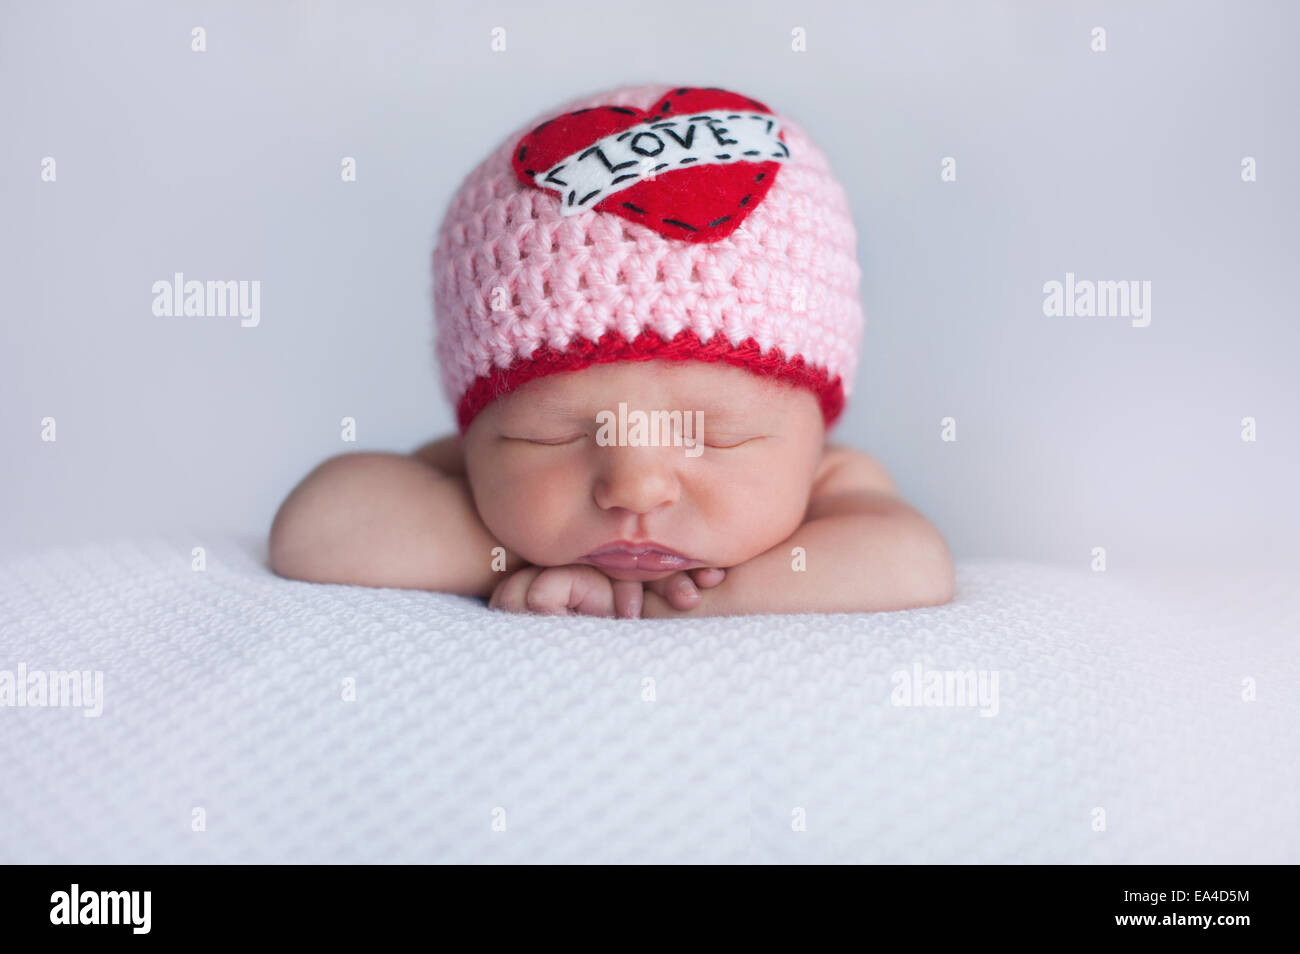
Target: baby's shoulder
[(846, 469)]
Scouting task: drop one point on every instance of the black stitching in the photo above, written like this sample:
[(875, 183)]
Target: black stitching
[(660, 166), (759, 177), (745, 200), (716, 222), (769, 125), (629, 205), (583, 200), (723, 155), (684, 143), (664, 107), (579, 112), (529, 172), (734, 116), (639, 150), (750, 152), (541, 127), (682, 162), (682, 91), (702, 119), (600, 153), (624, 136), (681, 224), (550, 176), (630, 175), (621, 109), (571, 195), (670, 122), (522, 150)]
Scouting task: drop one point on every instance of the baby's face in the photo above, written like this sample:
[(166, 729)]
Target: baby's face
[(549, 490)]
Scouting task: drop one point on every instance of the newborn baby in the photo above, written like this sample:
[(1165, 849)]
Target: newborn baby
[(647, 321)]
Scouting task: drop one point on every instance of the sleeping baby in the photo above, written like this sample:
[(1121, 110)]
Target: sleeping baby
[(647, 322)]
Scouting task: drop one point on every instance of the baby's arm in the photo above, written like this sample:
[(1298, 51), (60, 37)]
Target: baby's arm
[(387, 520), (865, 550)]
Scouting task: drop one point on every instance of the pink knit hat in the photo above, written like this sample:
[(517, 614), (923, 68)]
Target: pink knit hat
[(648, 222)]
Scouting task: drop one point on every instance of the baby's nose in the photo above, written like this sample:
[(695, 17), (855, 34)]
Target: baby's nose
[(638, 479)]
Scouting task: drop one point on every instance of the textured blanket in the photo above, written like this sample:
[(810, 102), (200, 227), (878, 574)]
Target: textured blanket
[(159, 707)]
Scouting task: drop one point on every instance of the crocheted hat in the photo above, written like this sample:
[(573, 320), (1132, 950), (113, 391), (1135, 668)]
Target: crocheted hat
[(648, 222)]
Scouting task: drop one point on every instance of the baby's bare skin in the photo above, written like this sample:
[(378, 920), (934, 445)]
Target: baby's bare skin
[(529, 478)]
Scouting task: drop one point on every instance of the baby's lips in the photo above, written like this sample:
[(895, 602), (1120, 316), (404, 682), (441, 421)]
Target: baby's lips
[(626, 555), (649, 560)]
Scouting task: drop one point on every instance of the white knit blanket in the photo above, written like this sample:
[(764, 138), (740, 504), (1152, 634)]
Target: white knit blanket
[(1134, 721)]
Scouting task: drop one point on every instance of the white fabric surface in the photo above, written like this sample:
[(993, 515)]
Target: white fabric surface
[(223, 691)]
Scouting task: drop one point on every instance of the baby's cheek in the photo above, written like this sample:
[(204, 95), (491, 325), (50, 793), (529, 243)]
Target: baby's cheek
[(755, 507), (529, 509)]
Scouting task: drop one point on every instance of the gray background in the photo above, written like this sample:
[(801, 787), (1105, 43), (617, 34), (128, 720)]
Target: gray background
[(1073, 433)]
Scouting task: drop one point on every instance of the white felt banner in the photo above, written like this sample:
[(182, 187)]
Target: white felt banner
[(655, 148)]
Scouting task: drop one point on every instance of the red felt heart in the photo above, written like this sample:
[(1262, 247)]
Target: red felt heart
[(693, 203)]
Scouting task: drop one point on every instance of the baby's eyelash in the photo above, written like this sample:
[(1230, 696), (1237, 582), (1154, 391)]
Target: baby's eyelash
[(565, 441), (550, 442)]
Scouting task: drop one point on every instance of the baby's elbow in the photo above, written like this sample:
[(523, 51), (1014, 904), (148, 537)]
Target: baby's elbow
[(284, 545), (923, 569), (933, 574), (301, 527)]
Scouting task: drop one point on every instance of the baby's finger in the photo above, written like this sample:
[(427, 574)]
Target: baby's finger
[(627, 599), (558, 591), (510, 594), (677, 589), (708, 577)]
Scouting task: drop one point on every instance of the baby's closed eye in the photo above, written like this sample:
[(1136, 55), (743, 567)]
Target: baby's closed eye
[(548, 441), (718, 441), (727, 441)]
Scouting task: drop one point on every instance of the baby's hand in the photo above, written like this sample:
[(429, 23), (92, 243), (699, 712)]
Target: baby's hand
[(566, 591), (585, 590), (682, 590)]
